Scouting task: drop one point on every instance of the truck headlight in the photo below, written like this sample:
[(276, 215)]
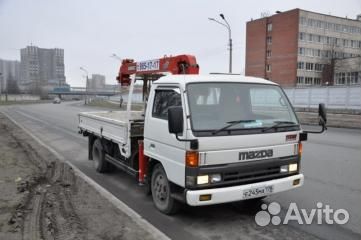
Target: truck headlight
[(215, 178), (293, 167), (289, 168), (204, 179)]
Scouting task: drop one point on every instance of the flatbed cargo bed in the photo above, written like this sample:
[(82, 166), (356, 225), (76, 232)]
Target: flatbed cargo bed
[(116, 126)]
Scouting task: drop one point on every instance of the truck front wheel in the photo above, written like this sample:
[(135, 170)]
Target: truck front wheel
[(100, 164), (161, 191)]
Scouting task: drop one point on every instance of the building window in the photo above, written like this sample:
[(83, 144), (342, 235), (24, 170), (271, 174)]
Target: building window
[(300, 65), (269, 53), (319, 39), (303, 21), (310, 37), (309, 66), (345, 42), (268, 67), (354, 78), (302, 36), (340, 78), (308, 81), (309, 22), (328, 40), (269, 40), (318, 67), (317, 53), (353, 43), (317, 81), (300, 80), (269, 27), (301, 51)]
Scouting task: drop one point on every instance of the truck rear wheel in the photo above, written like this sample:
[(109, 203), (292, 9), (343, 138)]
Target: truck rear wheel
[(100, 164), (161, 193)]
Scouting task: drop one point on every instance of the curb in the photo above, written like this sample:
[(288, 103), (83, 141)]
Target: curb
[(139, 220)]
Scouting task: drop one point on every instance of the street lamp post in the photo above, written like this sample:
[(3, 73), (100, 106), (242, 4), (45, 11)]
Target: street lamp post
[(116, 56), (226, 24), (1, 85), (121, 97), (86, 84)]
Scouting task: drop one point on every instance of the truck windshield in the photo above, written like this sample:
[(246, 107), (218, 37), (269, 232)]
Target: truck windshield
[(217, 107)]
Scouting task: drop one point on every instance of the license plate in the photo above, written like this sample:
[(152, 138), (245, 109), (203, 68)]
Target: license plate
[(257, 192)]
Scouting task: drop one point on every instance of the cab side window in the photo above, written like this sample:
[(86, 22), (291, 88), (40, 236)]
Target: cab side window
[(164, 99)]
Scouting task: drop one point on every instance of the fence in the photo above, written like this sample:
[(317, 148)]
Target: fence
[(19, 97), (136, 98), (336, 97)]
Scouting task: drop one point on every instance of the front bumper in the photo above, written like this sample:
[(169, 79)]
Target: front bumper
[(234, 193)]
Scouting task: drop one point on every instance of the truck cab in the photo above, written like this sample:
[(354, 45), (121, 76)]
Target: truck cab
[(207, 139), (245, 132)]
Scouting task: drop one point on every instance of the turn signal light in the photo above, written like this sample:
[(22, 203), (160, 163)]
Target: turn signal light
[(300, 148), (192, 159)]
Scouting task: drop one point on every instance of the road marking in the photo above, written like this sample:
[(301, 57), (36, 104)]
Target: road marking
[(138, 219)]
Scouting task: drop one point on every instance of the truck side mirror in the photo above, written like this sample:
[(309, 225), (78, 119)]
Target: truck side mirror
[(322, 113), (175, 120)]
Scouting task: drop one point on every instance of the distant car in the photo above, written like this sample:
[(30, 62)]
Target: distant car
[(56, 101)]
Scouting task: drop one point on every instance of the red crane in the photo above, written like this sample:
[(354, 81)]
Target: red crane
[(153, 69)]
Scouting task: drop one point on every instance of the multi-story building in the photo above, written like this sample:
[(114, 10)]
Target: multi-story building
[(9, 71), (96, 82), (300, 47), (42, 68)]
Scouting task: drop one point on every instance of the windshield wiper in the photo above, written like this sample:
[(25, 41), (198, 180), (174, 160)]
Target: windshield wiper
[(231, 124), (279, 123)]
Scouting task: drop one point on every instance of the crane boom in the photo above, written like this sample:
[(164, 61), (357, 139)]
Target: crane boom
[(181, 64)]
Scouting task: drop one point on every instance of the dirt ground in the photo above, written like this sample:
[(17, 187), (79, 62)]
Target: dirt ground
[(41, 197)]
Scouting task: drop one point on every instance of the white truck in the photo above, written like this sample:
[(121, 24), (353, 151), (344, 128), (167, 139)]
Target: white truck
[(203, 139)]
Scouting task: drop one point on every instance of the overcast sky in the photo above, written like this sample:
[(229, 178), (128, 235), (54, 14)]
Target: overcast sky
[(90, 31)]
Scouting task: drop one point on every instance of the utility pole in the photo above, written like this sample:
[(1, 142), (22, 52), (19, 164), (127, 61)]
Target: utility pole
[(6, 91), (226, 24), (1, 85), (115, 56), (86, 84)]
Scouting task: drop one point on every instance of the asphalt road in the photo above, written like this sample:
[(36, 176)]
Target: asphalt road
[(331, 164)]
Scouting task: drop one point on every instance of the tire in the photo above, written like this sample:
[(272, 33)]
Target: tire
[(100, 164), (161, 193)]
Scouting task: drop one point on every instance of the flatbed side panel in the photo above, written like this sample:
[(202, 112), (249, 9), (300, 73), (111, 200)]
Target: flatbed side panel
[(109, 130)]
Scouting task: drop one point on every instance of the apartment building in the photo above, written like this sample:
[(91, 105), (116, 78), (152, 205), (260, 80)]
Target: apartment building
[(9, 71), (299, 47), (41, 68)]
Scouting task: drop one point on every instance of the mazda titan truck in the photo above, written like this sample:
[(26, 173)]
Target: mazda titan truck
[(203, 139)]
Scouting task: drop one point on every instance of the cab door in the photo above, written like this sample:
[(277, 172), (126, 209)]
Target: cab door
[(159, 144)]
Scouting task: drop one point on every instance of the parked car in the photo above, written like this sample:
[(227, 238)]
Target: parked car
[(56, 101)]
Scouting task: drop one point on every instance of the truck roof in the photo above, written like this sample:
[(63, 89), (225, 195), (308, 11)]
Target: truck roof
[(187, 78)]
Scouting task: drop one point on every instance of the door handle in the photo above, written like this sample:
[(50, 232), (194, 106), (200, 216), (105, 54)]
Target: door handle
[(152, 145)]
